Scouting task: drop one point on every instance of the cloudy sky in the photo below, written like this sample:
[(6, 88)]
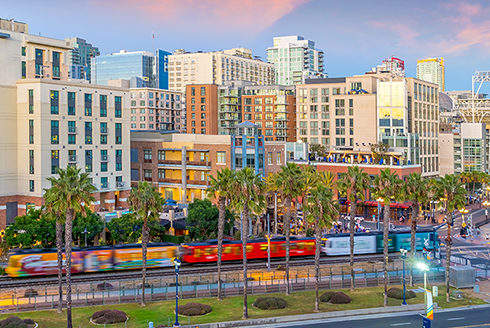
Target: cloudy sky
[(355, 35)]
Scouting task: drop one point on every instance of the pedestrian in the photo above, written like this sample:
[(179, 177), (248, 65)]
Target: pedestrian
[(478, 233), (487, 237)]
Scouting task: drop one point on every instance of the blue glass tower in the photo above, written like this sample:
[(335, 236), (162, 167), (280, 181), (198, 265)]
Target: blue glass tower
[(162, 68), (247, 148)]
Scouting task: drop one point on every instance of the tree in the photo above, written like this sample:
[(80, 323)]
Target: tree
[(353, 184), (220, 189), (323, 211), (30, 230), (272, 186), (203, 219), (317, 150), (68, 192), (289, 180), (249, 188), (417, 190), (125, 229), (387, 186), (309, 179), (93, 223), (451, 193), (145, 202), (379, 151)]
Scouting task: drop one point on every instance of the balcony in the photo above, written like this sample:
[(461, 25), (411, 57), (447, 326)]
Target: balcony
[(104, 185), (198, 182), (199, 163), (120, 184), (170, 162), (149, 179), (104, 130), (170, 181), (72, 158), (72, 129), (104, 158)]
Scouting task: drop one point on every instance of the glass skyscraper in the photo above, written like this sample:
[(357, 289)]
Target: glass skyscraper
[(140, 67), (80, 58)]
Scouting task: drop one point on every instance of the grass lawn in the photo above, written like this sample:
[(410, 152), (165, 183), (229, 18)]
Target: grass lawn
[(229, 309)]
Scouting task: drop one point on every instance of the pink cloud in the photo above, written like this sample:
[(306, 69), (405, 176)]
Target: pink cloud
[(243, 16)]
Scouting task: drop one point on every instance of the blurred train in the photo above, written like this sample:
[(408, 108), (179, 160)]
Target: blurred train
[(39, 262)]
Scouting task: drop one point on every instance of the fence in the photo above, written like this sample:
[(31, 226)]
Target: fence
[(129, 291)]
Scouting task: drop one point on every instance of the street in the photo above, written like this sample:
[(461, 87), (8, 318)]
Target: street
[(457, 318)]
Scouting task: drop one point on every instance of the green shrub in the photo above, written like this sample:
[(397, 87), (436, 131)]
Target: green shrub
[(13, 322), (109, 317), (270, 303), (325, 297), (397, 293), (237, 235), (194, 309), (262, 234), (310, 232), (340, 298), (29, 321)]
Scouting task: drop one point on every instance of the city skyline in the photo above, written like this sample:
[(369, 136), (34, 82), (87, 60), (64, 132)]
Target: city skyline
[(355, 37)]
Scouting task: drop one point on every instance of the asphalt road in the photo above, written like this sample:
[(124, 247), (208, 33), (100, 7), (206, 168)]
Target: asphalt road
[(466, 318)]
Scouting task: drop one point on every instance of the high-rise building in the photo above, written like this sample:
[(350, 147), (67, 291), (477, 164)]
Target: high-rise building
[(80, 58), (295, 59), (141, 68), (50, 122), (156, 109), (391, 65), (202, 108), (353, 113), (217, 67), (432, 70)]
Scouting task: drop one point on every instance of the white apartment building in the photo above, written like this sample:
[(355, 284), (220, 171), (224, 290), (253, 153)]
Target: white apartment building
[(295, 59), (432, 70), (156, 109), (217, 67)]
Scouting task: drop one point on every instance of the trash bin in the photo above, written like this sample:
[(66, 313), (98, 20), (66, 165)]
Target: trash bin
[(435, 291), (476, 289), (150, 325)]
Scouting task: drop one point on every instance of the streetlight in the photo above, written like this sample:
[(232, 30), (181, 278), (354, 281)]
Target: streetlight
[(429, 314), (463, 211), (268, 244), (403, 255), (85, 232), (379, 200), (177, 265)]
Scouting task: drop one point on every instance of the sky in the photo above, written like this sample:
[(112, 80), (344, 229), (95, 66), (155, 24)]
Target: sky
[(355, 35)]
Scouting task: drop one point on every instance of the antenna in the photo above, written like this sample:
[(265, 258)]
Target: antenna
[(153, 33)]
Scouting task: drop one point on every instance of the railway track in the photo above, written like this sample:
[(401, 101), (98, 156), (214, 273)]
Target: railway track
[(7, 282)]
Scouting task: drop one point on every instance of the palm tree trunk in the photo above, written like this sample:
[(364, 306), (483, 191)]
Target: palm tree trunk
[(386, 229), (68, 240), (448, 256), (287, 227), (221, 227), (59, 249), (144, 248), (415, 215), (318, 240), (244, 251), (353, 207)]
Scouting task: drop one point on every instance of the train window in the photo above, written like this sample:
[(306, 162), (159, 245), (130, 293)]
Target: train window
[(263, 247), (198, 252), (249, 248), (227, 250)]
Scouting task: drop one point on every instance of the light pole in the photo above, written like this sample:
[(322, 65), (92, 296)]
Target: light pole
[(268, 244), (463, 211), (379, 200), (85, 232), (403, 252), (177, 265), (428, 307)]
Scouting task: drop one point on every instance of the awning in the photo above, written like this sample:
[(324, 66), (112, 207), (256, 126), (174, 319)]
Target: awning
[(375, 204), (178, 224)]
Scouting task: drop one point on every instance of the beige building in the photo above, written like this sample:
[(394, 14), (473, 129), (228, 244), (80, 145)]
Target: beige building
[(449, 153), (236, 64), (48, 122), (156, 109)]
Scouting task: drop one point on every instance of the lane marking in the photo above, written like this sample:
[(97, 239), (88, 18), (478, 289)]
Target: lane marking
[(460, 318), (401, 324)]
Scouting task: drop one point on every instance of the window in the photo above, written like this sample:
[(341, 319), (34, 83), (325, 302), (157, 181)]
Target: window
[(203, 100), (118, 160), (31, 185), (335, 91), (193, 91), (104, 183), (339, 111), (221, 157), (147, 155), (72, 155), (103, 166), (71, 103), (340, 141), (161, 155), (269, 158), (351, 111), (103, 139), (314, 128), (118, 106), (161, 174), (88, 104), (31, 161), (103, 127), (88, 133), (31, 132), (351, 102), (203, 131), (55, 161), (142, 111), (143, 126), (203, 108), (278, 158), (88, 161), (203, 116), (31, 101), (55, 130), (24, 69), (23, 51), (56, 65), (72, 127), (103, 106), (54, 97), (142, 103), (119, 133), (203, 123), (39, 61), (193, 108), (203, 91), (133, 103), (72, 139)]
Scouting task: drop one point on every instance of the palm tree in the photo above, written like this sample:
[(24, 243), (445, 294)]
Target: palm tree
[(309, 179), (54, 211), (71, 193), (221, 188), (386, 186), (417, 190), (145, 202), (451, 193), (353, 184), (289, 179), (271, 185), (249, 188), (323, 211)]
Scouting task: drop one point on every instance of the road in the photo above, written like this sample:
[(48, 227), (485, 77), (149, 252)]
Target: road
[(462, 318)]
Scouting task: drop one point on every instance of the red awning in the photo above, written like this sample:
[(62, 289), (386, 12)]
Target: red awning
[(375, 204)]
